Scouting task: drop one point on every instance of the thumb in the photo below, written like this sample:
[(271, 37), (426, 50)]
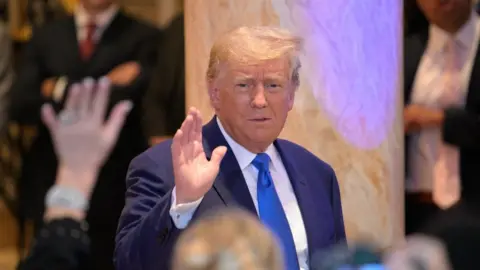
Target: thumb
[(48, 117), (218, 155)]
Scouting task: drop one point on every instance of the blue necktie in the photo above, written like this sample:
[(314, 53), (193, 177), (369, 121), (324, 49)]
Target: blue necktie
[(271, 211)]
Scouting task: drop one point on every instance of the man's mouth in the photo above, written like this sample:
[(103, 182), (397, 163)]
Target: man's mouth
[(260, 119)]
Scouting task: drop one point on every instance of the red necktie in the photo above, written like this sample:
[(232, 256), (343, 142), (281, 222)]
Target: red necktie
[(87, 46)]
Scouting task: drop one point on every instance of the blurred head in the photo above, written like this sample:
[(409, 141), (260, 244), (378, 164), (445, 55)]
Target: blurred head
[(449, 15), (227, 240), (419, 252), (96, 5), (252, 76)]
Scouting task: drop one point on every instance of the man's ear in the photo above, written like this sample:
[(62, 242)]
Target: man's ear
[(291, 98), (213, 92)]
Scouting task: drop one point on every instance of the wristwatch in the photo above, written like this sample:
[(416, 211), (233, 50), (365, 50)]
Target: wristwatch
[(66, 197)]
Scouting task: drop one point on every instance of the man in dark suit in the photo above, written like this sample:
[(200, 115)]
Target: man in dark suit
[(99, 40), (165, 99), (442, 109), (234, 160)]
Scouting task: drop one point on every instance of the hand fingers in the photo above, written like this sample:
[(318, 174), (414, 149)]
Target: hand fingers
[(49, 117), (134, 70), (192, 131), (100, 102), (185, 128), (86, 97), (198, 126), (71, 104), (217, 155), (116, 119), (176, 145)]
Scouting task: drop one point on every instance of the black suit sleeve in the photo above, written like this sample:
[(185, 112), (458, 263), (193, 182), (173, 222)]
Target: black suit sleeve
[(61, 244), (146, 57), (25, 95), (461, 128)]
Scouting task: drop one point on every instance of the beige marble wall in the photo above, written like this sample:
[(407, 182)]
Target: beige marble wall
[(348, 108)]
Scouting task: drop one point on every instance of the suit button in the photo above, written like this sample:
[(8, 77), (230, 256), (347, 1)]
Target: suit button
[(161, 236)]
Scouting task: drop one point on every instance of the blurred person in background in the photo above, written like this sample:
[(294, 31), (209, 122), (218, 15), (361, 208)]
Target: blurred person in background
[(442, 108), (100, 39), (6, 73), (419, 252), (459, 230), (229, 239), (82, 147), (234, 160), (165, 99)]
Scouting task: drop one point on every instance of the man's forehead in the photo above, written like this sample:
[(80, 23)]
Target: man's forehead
[(264, 68)]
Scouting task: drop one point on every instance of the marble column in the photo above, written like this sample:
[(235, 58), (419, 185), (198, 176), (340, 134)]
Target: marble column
[(348, 110)]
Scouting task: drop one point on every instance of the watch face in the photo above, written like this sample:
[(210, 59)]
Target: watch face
[(65, 197)]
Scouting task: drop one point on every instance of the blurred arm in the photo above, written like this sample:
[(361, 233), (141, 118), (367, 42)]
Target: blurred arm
[(461, 128)]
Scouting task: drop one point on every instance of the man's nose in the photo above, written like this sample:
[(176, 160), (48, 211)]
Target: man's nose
[(259, 99)]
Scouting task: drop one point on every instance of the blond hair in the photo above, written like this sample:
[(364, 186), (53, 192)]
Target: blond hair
[(251, 45), (227, 240)]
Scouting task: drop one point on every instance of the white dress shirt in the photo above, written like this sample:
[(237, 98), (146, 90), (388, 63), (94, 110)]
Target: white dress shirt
[(427, 89), (102, 20), (182, 213)]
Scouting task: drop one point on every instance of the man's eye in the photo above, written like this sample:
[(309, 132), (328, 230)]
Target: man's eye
[(243, 85), (273, 86)]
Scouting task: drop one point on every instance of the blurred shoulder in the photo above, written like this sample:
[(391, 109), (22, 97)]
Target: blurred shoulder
[(141, 26), (54, 26)]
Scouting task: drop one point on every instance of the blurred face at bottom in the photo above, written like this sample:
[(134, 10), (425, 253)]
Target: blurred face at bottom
[(253, 100)]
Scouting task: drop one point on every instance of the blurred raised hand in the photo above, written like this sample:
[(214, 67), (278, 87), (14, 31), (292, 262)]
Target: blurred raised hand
[(82, 138)]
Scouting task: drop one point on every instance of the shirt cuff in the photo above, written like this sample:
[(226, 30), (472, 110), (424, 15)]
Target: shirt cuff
[(181, 214)]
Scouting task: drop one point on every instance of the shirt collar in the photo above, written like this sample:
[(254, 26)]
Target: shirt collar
[(244, 157), (82, 18)]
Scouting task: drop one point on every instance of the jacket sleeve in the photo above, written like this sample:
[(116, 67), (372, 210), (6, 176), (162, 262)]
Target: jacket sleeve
[(461, 128), (60, 244), (146, 233)]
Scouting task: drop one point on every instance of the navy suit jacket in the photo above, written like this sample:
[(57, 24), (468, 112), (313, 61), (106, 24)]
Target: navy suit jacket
[(146, 234)]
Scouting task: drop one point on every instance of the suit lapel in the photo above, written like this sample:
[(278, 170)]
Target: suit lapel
[(230, 184), (71, 47), (414, 48), (315, 218)]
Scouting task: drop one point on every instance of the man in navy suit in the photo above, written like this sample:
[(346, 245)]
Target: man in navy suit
[(235, 160)]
